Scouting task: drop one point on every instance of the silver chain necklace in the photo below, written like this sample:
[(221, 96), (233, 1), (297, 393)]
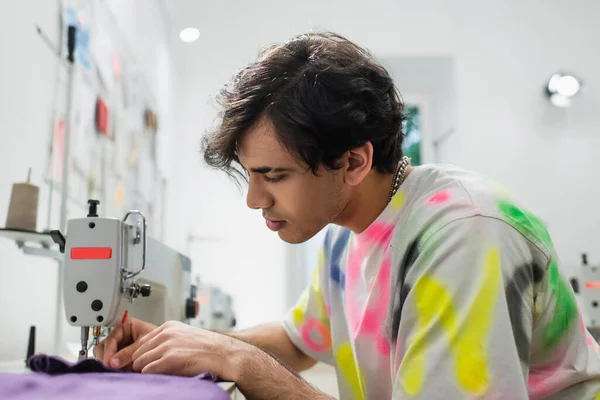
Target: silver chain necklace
[(399, 176)]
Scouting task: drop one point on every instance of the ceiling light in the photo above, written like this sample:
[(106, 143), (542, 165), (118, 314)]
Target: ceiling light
[(561, 88), (189, 35)]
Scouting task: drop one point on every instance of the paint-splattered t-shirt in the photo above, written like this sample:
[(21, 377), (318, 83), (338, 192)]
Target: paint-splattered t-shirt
[(453, 292)]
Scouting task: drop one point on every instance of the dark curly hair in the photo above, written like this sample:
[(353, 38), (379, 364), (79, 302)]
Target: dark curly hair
[(324, 96)]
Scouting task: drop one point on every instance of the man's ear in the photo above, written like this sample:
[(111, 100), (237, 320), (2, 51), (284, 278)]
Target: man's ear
[(358, 163)]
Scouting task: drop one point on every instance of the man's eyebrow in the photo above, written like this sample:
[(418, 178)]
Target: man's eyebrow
[(264, 170)]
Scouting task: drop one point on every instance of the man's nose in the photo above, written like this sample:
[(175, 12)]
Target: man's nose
[(258, 198)]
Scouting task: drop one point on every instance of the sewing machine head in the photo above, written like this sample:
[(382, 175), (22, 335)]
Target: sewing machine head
[(106, 276), (102, 258)]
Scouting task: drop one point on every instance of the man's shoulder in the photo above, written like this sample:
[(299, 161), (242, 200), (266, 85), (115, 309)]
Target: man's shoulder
[(442, 194), (446, 186)]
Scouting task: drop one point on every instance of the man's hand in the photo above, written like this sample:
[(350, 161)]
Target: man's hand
[(117, 349), (179, 349), (175, 348)]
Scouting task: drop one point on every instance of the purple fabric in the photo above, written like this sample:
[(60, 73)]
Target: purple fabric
[(54, 378)]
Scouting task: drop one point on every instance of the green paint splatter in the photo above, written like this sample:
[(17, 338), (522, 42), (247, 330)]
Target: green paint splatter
[(565, 309), (529, 223)]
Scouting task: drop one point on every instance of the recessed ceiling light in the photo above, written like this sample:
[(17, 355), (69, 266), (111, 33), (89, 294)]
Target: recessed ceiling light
[(189, 35)]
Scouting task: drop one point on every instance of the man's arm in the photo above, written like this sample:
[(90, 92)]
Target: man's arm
[(260, 376), (272, 339), (175, 348)]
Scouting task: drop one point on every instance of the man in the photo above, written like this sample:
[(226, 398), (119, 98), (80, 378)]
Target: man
[(432, 282)]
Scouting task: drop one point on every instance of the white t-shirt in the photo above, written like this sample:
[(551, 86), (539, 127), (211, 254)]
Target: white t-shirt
[(453, 292)]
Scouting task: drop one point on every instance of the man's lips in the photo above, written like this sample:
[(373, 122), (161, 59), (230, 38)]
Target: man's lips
[(274, 225)]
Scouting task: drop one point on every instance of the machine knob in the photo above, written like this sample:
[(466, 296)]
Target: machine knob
[(584, 260), (145, 290), (93, 208), (191, 308)]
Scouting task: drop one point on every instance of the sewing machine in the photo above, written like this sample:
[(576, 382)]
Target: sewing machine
[(113, 270), (589, 295), (215, 311)]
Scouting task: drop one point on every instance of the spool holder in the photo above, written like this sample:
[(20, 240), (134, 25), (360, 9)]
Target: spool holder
[(44, 245)]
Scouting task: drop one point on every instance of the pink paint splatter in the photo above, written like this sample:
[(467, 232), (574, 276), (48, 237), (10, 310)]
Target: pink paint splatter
[(371, 323), (374, 315), (383, 346), (313, 324), (379, 233), (588, 337), (544, 379), (543, 384), (371, 320), (356, 255), (439, 198)]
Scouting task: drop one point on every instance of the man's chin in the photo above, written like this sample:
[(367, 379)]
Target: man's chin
[(291, 238)]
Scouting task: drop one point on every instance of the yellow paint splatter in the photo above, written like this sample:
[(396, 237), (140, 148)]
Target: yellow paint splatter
[(321, 258), (499, 188), (433, 302), (315, 281), (345, 359), (466, 339), (398, 200), (313, 294), (299, 308), (471, 358), (317, 292)]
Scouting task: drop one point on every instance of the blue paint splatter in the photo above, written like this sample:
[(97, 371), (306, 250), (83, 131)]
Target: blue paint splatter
[(336, 274)]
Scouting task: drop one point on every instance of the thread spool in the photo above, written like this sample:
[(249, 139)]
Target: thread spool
[(23, 208)]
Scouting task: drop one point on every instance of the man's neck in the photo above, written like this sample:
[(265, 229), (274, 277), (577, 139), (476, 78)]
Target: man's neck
[(368, 201)]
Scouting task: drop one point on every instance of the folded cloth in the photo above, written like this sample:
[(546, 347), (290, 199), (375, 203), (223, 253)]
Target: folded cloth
[(55, 366), (54, 378)]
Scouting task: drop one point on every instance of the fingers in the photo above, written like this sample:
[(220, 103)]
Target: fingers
[(99, 351), (117, 349), (124, 356), (148, 357), (112, 342), (165, 361), (149, 342), (158, 366), (119, 336)]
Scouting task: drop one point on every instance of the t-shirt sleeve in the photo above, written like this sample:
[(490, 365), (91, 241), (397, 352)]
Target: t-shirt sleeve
[(466, 316), (307, 323)]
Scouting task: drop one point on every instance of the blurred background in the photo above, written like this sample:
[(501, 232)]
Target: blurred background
[(510, 89)]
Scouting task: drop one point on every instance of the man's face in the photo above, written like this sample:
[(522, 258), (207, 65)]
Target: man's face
[(295, 203)]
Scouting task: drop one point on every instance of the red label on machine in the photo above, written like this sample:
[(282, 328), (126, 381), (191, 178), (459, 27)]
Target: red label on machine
[(91, 253)]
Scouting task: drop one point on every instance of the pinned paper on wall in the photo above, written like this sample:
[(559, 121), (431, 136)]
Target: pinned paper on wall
[(57, 151), (120, 196), (83, 136), (104, 55), (102, 117), (113, 123), (134, 152), (78, 14)]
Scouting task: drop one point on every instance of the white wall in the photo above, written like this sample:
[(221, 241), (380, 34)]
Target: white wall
[(504, 117), (28, 76)]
